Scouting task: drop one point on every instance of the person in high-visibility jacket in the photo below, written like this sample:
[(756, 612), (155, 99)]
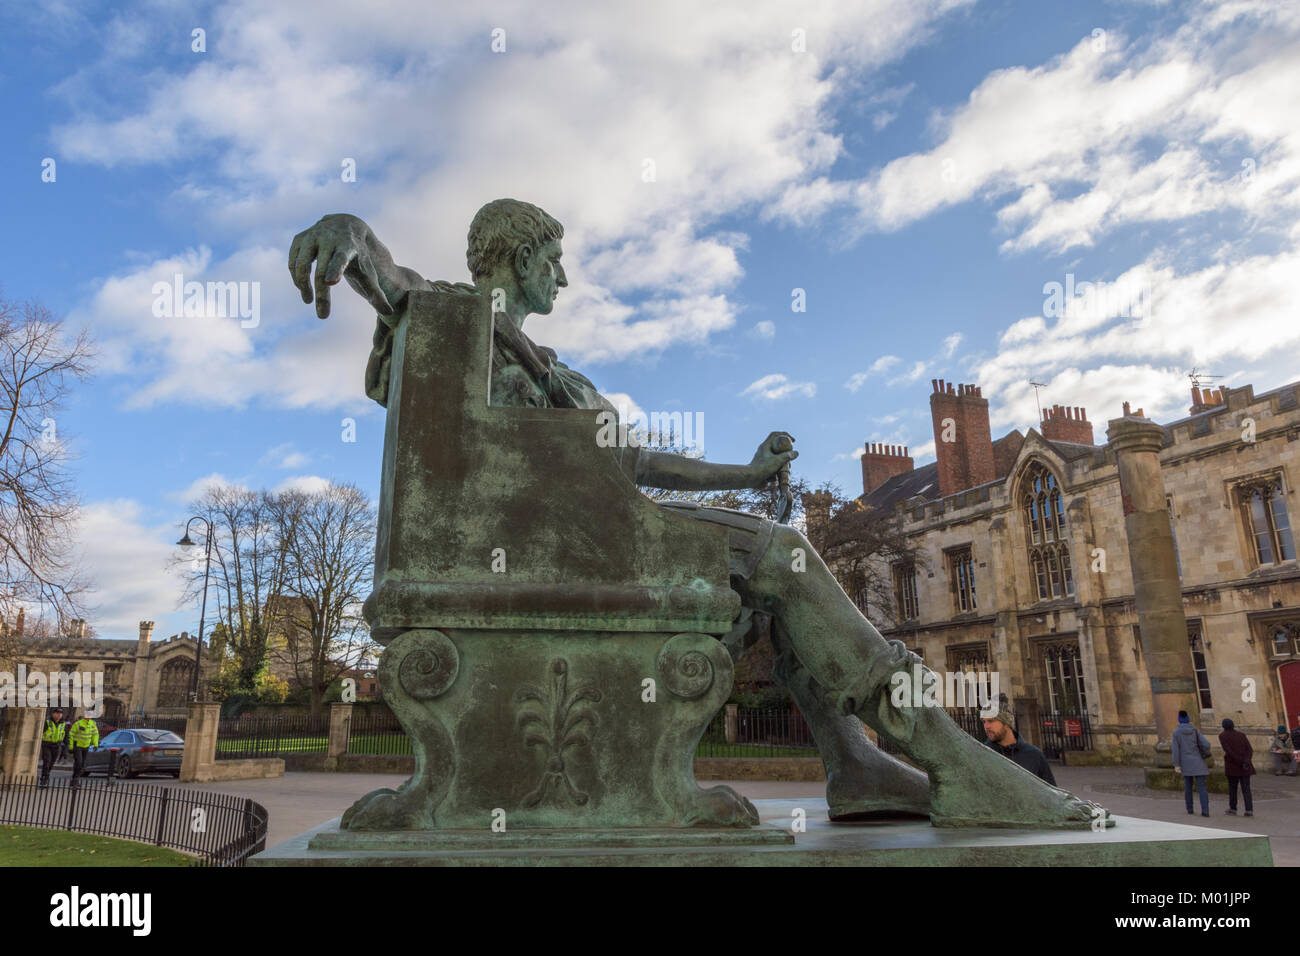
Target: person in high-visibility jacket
[(52, 742), (82, 735)]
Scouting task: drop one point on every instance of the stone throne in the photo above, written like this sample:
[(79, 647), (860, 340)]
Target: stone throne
[(531, 602)]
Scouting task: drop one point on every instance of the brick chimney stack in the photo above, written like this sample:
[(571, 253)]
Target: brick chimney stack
[(963, 443), (78, 628), (1063, 423), (1204, 401), (20, 624), (882, 462)]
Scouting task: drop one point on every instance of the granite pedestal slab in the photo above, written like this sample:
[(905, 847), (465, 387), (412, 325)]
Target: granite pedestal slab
[(1133, 842)]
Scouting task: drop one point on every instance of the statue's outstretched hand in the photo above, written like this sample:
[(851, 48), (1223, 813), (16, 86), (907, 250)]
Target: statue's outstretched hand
[(776, 451), (341, 246)]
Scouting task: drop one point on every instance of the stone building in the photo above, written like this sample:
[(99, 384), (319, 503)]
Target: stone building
[(1025, 567), (140, 676)]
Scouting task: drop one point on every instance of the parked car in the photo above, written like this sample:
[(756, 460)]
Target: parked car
[(139, 750)]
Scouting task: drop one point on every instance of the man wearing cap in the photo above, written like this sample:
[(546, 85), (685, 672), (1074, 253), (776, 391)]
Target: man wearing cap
[(1004, 740), (52, 743)]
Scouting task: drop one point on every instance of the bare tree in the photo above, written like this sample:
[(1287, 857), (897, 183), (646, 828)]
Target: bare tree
[(860, 544), (329, 542), (248, 570), (39, 360)]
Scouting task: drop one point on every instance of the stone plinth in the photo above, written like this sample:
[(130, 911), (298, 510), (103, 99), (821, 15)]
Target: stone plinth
[(1133, 842), (20, 749)]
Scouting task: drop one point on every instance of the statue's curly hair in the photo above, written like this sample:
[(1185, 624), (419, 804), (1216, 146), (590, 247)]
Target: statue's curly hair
[(501, 227)]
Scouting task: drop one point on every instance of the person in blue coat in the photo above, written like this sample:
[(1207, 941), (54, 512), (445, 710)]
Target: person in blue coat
[(1190, 748)]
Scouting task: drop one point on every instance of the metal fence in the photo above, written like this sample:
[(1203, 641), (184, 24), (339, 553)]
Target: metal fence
[(243, 737), (218, 829), (1062, 732), (377, 734), (1059, 732), (172, 722), (776, 732)]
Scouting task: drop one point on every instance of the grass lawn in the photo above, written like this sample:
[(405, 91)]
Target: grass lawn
[(31, 846)]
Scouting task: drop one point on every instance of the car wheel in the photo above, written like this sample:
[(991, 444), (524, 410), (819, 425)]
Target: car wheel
[(123, 768)]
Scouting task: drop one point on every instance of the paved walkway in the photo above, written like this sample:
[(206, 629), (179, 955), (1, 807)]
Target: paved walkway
[(299, 801)]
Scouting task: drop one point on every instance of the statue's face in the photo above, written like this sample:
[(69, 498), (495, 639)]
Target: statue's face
[(542, 277)]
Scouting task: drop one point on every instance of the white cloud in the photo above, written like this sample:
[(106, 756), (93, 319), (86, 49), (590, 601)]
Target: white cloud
[(858, 379), (200, 486), (285, 456), (731, 117), (127, 560), (310, 484), (1139, 125), (777, 386), (765, 330)]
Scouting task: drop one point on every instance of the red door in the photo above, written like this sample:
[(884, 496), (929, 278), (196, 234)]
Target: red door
[(1289, 674)]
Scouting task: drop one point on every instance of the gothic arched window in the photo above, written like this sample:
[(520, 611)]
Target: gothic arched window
[(175, 682), (1049, 552)]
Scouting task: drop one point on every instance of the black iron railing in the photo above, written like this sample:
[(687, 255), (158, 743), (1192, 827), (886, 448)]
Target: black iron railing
[(1059, 733), (243, 737), (377, 734), (1062, 732), (172, 722), (218, 829), (779, 732)]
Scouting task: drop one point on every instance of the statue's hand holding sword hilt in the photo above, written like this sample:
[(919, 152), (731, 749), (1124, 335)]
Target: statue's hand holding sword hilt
[(773, 459)]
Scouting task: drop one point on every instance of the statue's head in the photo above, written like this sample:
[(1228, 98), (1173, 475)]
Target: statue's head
[(516, 246)]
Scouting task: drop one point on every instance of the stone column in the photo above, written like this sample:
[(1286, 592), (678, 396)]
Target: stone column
[(200, 741), (1136, 442), (20, 750), (340, 725)]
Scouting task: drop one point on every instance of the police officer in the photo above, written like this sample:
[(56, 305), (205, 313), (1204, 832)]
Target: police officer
[(52, 743), (82, 735)]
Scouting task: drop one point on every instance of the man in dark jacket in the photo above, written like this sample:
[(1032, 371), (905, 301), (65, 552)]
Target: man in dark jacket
[(1295, 733), (1237, 752), (1021, 752)]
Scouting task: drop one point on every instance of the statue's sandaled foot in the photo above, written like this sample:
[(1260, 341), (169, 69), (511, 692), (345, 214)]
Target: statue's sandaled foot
[(873, 785), (972, 785), (719, 807), (403, 809)]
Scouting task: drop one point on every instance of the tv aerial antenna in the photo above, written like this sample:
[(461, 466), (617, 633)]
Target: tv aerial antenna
[(1037, 386), (1197, 377)]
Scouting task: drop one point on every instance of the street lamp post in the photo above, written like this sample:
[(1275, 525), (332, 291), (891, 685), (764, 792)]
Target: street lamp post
[(188, 542)]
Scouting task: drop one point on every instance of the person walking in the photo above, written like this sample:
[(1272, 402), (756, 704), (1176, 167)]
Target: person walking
[(1284, 754), (1237, 752), (1190, 748), (53, 741), (82, 735)]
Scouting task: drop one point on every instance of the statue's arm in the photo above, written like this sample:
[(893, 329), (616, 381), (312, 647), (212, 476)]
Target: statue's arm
[(344, 247), (657, 469)]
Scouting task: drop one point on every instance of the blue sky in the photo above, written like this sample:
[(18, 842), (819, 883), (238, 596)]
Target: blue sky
[(920, 169)]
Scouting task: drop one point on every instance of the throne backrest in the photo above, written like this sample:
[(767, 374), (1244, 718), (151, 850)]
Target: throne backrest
[(469, 486)]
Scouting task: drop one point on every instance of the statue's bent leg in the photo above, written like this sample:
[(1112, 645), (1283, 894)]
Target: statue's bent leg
[(970, 784), (861, 780)]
